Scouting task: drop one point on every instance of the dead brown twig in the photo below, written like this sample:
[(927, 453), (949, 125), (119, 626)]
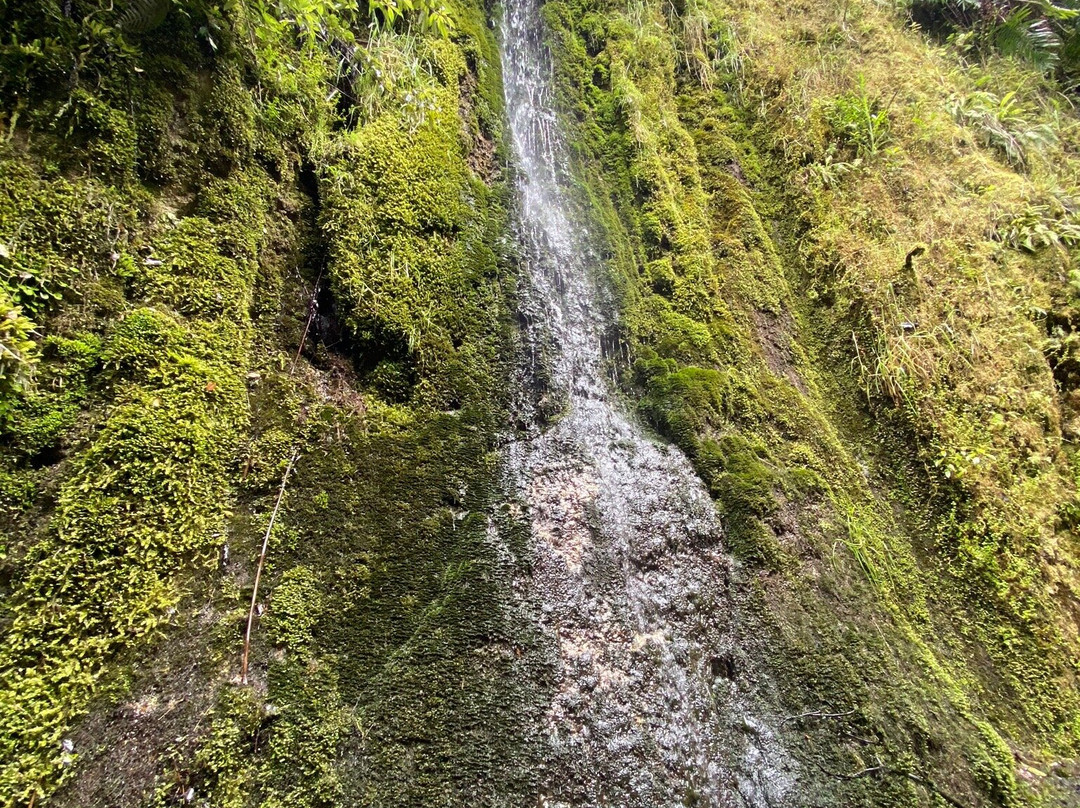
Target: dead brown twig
[(262, 562), (313, 308)]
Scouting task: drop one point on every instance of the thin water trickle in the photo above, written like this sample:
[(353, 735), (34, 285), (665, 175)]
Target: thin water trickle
[(629, 574)]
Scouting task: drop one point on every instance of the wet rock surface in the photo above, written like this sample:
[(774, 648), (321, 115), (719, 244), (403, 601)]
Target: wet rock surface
[(654, 699)]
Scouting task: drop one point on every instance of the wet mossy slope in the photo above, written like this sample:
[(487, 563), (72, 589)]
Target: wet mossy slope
[(836, 295), (232, 236)]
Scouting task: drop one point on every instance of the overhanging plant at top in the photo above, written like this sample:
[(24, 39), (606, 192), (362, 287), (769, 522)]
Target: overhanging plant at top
[(1044, 33)]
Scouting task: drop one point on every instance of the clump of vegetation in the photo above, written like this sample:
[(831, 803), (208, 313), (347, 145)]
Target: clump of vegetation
[(1045, 34), (1001, 124), (144, 496), (861, 121), (18, 352), (399, 201), (1040, 224)]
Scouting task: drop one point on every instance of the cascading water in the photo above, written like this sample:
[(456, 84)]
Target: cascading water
[(629, 577)]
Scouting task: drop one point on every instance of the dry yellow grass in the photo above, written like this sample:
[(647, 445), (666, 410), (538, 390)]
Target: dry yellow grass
[(957, 334)]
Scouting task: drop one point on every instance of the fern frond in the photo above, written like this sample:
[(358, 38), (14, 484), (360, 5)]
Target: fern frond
[(1054, 11), (1027, 36), (143, 15), (933, 14)]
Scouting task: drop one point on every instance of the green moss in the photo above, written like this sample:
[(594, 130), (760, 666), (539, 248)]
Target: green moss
[(190, 269), (387, 602), (143, 496), (108, 134), (301, 765), (404, 677), (139, 405), (146, 494), (134, 504), (746, 487), (42, 417), (993, 767), (52, 230), (295, 611), (139, 345), (411, 228), (231, 108), (226, 773)]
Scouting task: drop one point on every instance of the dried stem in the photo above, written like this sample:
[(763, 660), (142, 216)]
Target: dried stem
[(262, 562), (818, 714), (313, 307), (881, 770)]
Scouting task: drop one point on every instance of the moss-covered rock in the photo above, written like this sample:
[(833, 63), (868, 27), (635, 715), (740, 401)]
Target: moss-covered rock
[(229, 237), (716, 248)]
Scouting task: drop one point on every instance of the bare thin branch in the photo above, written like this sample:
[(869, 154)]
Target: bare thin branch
[(259, 569), (886, 771), (313, 308)]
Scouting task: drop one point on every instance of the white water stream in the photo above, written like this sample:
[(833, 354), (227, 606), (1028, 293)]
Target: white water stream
[(649, 705)]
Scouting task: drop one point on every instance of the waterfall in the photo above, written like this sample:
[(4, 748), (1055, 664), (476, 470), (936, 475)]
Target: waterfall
[(629, 575)]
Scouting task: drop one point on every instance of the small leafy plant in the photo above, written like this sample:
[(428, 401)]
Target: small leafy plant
[(432, 15), (830, 172), (860, 120), (336, 19), (18, 351), (141, 16), (1000, 123), (1037, 226)]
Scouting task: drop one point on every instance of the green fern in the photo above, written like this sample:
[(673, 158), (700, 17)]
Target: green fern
[(1042, 32), (1024, 34), (143, 15)]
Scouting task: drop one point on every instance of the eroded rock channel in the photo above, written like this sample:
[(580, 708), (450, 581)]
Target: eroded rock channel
[(629, 571)]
